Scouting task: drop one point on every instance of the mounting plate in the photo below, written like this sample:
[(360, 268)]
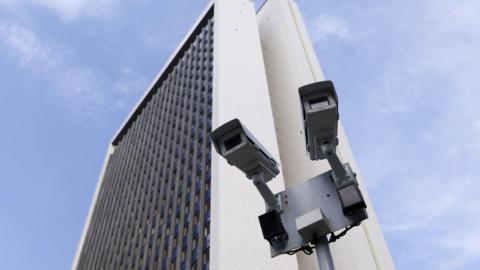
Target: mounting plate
[(318, 192)]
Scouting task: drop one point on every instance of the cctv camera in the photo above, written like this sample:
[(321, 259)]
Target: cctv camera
[(238, 146), (320, 116)]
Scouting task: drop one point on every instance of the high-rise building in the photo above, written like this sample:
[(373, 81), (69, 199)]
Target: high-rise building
[(164, 201)]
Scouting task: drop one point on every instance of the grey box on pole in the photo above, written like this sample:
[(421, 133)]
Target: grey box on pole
[(312, 224)]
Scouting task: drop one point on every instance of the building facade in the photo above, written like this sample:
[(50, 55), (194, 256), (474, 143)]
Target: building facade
[(164, 201), (153, 206)]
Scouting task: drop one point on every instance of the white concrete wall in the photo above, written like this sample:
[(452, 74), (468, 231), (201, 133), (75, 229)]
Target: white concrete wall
[(291, 62), (240, 91)]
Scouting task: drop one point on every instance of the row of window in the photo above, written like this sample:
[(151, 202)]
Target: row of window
[(154, 205)]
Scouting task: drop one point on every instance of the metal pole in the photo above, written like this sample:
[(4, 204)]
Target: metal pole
[(324, 256)]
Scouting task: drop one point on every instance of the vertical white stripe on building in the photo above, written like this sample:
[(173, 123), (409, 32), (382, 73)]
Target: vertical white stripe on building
[(76, 259), (240, 91), (291, 62)]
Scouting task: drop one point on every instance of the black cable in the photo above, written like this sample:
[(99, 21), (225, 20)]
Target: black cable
[(308, 249), (334, 237)]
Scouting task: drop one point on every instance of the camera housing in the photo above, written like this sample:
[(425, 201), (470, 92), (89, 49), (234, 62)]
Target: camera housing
[(320, 116), (272, 228), (240, 148)]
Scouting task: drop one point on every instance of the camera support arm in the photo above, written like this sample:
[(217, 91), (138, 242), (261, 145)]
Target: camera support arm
[(345, 180), (265, 192), (328, 150)]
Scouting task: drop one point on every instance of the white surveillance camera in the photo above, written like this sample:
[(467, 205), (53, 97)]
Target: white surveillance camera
[(320, 116), (238, 146), (320, 119)]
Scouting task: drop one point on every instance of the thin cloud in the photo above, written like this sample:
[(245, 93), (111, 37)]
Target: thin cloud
[(129, 85), (420, 107), (23, 44), (465, 243), (328, 27), (67, 10), (421, 210), (426, 95), (73, 85), (80, 90), (70, 10)]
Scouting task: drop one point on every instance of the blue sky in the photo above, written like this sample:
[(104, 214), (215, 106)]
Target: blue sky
[(408, 78)]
